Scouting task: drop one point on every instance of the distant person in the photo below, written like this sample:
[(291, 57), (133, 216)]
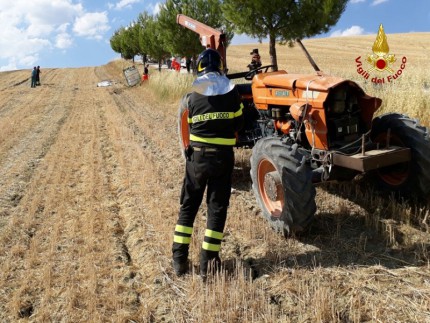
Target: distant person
[(175, 65), (146, 71), (38, 75), (34, 77), (255, 60), (145, 75), (188, 64)]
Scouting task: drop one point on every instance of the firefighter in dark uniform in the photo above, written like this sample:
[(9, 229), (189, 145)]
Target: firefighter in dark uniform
[(214, 115)]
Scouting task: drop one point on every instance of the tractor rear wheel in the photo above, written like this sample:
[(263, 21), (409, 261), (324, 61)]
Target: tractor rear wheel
[(183, 125), (411, 179), (282, 184)]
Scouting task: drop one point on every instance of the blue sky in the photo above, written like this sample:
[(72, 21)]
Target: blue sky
[(74, 33)]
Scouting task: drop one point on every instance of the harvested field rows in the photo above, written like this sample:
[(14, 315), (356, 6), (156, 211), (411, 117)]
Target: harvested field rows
[(89, 193)]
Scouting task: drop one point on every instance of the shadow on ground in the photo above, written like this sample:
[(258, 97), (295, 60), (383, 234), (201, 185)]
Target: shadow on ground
[(341, 239)]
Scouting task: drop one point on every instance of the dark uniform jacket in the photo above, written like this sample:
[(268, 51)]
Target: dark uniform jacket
[(214, 119)]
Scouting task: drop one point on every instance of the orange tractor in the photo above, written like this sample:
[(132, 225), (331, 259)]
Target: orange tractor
[(308, 129)]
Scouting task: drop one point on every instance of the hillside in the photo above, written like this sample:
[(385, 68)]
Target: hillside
[(337, 54), (90, 179)]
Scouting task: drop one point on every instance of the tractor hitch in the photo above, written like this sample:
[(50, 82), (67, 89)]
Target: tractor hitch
[(373, 159)]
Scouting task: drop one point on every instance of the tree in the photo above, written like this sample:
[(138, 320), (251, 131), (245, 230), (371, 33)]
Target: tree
[(130, 41), (115, 41), (142, 42), (151, 40), (283, 20), (125, 41), (179, 40)]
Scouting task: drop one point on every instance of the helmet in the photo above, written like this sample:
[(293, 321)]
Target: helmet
[(209, 61)]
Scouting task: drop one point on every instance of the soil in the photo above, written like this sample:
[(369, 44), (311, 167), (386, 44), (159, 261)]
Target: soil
[(90, 179)]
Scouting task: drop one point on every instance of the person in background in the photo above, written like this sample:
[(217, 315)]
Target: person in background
[(214, 116), (255, 60), (188, 64), (38, 75), (177, 66), (173, 64), (145, 75), (146, 71), (34, 77)]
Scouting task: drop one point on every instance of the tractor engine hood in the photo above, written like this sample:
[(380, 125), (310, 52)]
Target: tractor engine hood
[(277, 89), (314, 82)]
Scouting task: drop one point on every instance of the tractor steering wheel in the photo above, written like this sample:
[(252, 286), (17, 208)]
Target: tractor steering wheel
[(248, 76)]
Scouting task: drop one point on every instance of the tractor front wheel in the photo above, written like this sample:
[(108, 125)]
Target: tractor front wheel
[(282, 184)]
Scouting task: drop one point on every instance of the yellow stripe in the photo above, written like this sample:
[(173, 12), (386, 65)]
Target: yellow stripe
[(183, 240), (215, 141), (211, 247), (213, 234), (212, 116), (199, 67), (216, 116), (183, 229), (238, 113)]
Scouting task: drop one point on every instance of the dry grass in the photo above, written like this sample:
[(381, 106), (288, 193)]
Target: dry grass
[(89, 188)]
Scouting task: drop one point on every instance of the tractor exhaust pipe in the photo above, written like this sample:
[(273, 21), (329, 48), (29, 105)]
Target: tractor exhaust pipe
[(308, 56)]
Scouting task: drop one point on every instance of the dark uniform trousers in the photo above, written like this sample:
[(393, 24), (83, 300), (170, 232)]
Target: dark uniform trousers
[(212, 168)]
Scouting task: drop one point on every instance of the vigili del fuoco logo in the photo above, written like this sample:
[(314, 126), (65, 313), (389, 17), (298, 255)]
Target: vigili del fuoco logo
[(380, 66)]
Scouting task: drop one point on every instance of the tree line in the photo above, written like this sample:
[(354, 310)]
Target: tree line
[(281, 21)]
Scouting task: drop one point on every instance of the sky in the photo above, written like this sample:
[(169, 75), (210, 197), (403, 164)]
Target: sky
[(75, 33)]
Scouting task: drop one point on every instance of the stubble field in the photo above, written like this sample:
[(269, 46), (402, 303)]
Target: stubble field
[(89, 194)]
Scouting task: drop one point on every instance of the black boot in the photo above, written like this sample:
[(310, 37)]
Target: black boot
[(180, 258), (210, 263), (180, 267)]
